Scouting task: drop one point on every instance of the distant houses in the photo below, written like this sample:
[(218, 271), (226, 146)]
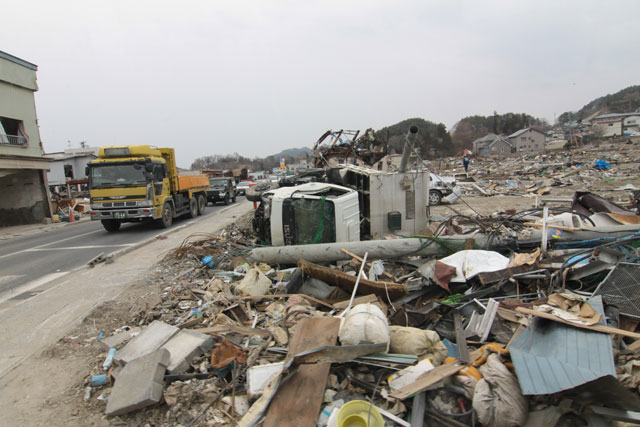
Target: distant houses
[(527, 140), (617, 124), (523, 141), (492, 144)]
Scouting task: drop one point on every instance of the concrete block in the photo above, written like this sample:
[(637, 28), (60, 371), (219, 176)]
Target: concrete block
[(115, 340), (258, 377), (183, 347), (149, 340), (139, 384)]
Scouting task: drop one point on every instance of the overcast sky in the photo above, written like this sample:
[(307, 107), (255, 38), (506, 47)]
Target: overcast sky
[(256, 77)]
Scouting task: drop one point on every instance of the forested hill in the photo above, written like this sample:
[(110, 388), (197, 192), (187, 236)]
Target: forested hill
[(431, 136), (625, 101)]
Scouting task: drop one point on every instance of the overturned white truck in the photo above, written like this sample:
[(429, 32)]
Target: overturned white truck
[(367, 205)]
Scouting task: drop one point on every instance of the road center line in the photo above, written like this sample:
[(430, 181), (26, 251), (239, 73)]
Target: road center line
[(79, 247), (52, 243)]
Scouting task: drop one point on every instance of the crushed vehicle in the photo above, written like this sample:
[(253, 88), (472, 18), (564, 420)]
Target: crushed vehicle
[(386, 203), (221, 189), (141, 183), (308, 213), (303, 176), (349, 146), (440, 188)]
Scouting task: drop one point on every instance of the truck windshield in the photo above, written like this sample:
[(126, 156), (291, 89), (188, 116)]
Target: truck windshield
[(309, 221), (102, 176), (217, 182)]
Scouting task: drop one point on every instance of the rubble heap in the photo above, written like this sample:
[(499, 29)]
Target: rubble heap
[(516, 318)]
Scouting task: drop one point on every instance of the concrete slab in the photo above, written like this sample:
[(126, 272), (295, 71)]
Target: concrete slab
[(140, 383), (258, 377), (115, 340), (183, 347), (149, 340)]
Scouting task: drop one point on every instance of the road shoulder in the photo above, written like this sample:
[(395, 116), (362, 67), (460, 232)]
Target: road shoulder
[(31, 383)]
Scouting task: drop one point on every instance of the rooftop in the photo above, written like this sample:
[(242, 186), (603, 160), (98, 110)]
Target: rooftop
[(521, 131), (18, 61)]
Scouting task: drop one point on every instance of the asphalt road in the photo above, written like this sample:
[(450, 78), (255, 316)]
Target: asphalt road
[(31, 261)]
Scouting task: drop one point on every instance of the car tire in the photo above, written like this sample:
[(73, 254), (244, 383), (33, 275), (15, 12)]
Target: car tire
[(166, 219), (234, 197), (226, 199), (435, 197), (202, 204), (111, 225)]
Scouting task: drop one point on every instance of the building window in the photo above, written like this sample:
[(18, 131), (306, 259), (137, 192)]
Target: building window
[(68, 171), (610, 124), (12, 132)]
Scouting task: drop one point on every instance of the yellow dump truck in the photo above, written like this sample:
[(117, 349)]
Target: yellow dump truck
[(141, 183)]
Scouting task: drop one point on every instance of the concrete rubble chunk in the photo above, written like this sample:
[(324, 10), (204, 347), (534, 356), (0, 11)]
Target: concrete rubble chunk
[(148, 341), (116, 340), (183, 347), (139, 384)]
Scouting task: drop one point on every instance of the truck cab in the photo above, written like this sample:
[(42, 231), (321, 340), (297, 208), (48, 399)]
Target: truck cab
[(141, 183), (221, 189), (307, 214)]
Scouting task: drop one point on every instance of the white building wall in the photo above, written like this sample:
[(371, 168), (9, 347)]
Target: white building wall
[(631, 124), (609, 128)]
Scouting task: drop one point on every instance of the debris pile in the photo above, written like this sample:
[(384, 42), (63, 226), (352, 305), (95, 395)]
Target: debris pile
[(518, 318), (538, 174)]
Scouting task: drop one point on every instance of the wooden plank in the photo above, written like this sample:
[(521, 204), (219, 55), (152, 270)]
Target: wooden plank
[(496, 276), (634, 345), (432, 377), (347, 282), (298, 401), (356, 257), (595, 328), (232, 329), (309, 297)]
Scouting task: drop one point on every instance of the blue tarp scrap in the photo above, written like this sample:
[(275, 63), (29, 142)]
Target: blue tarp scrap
[(601, 165)]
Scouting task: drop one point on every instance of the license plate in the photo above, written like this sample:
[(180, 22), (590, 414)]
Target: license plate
[(119, 215)]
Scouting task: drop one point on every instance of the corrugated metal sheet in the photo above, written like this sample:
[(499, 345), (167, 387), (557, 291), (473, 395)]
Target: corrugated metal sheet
[(550, 357)]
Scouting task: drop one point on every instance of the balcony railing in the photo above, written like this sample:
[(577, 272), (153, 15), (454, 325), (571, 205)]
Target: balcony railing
[(15, 140)]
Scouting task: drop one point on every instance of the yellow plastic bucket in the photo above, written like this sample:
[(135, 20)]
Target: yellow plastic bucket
[(359, 413)]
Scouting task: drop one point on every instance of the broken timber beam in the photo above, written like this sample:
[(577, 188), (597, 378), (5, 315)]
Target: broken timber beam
[(595, 328), (347, 281), (432, 377)]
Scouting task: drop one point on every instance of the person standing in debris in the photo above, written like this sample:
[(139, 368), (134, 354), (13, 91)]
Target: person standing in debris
[(465, 163)]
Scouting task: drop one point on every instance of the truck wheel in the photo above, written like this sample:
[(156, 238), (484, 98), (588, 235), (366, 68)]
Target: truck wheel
[(202, 204), (111, 225), (167, 217), (226, 199), (435, 197), (193, 207)]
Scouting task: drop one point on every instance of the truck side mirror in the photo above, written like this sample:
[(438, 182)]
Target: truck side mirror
[(148, 167), (86, 170)]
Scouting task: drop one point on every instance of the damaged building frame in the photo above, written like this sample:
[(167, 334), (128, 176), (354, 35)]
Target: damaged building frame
[(23, 180)]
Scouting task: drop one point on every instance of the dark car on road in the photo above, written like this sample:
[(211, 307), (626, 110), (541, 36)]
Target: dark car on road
[(221, 189)]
